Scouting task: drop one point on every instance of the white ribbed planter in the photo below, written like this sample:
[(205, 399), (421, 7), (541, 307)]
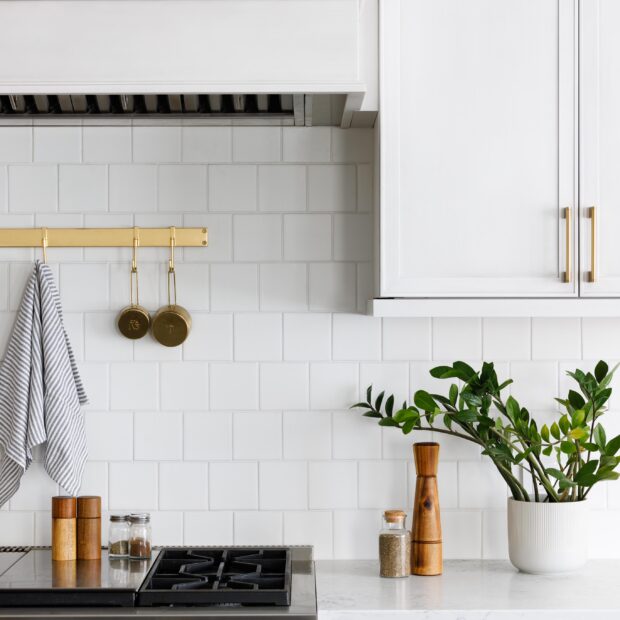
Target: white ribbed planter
[(548, 538)]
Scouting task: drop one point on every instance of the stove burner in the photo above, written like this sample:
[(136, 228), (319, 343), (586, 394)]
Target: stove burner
[(212, 576)]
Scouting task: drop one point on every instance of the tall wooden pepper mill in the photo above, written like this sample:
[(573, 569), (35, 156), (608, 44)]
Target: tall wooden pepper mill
[(426, 545)]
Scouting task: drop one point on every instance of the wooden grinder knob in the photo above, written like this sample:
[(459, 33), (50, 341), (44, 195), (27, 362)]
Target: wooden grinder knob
[(426, 543)]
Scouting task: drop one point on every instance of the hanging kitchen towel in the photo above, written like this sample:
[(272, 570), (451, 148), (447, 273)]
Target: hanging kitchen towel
[(41, 392)]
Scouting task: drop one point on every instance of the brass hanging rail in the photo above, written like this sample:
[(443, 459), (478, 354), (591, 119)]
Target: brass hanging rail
[(102, 237)]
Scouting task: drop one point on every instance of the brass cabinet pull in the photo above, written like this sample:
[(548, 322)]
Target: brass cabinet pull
[(568, 275), (592, 213)]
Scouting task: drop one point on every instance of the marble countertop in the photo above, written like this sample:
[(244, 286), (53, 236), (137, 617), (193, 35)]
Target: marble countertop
[(467, 590)]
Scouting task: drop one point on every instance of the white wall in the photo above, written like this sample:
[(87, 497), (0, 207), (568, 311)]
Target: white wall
[(243, 435)]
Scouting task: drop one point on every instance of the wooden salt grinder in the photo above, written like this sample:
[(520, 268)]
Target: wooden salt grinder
[(426, 545), (89, 527), (63, 528)]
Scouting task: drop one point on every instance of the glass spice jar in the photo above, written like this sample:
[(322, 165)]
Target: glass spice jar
[(140, 536), (394, 545), (118, 536)]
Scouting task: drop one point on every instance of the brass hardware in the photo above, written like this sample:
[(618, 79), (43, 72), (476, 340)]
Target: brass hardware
[(592, 274), (568, 275), (134, 320), (44, 244), (101, 237), (172, 323)]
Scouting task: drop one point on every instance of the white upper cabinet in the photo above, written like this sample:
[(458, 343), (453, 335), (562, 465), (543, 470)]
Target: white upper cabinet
[(478, 148), (600, 147)]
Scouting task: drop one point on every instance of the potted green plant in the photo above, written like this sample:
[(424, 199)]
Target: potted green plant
[(549, 469)]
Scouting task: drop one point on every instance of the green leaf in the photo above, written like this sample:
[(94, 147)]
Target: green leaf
[(544, 432), (441, 372), (585, 473), (600, 372), (568, 447), (555, 430), (576, 399), (388, 422), (369, 393), (379, 401), (578, 418), (505, 384), (466, 416), (372, 414), (599, 437), (454, 393), (404, 415), (424, 401), (389, 406), (613, 445), (408, 427), (564, 424), (473, 400), (512, 409), (578, 433), (548, 450), (361, 406), (447, 421)]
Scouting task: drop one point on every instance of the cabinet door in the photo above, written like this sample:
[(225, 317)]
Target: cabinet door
[(477, 148), (599, 113)]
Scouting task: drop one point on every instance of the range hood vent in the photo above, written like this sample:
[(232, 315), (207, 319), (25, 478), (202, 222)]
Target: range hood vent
[(282, 109)]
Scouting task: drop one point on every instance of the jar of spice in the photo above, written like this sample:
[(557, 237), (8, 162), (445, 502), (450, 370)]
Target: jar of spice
[(118, 536), (394, 545), (140, 536)]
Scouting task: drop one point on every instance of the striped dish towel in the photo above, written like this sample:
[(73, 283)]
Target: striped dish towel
[(41, 392)]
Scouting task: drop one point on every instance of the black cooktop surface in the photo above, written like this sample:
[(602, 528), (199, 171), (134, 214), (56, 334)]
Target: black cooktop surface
[(215, 576)]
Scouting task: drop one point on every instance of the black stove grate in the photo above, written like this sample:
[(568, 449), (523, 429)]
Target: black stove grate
[(218, 576)]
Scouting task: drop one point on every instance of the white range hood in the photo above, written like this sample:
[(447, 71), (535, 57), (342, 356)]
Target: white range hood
[(255, 61)]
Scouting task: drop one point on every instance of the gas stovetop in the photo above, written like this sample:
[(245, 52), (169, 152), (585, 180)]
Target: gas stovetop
[(198, 576), (280, 579)]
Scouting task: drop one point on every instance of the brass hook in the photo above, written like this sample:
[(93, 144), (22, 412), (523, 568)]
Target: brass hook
[(172, 244), (44, 244), (134, 267), (136, 243)]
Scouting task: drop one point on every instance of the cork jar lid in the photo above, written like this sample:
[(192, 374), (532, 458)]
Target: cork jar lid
[(63, 507), (392, 516), (89, 507)]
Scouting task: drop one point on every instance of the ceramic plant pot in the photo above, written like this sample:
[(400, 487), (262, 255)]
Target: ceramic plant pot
[(548, 537)]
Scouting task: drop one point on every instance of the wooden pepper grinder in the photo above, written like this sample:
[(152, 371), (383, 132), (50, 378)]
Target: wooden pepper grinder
[(89, 527), (63, 528), (426, 545)]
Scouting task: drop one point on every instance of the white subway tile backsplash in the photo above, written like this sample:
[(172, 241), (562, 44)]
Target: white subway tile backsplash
[(158, 436), (233, 486), (365, 196), (57, 144), (558, 338), (20, 525), (182, 188), (352, 145), (457, 338), (249, 425), (461, 533), (103, 342), (233, 386), (356, 337), (332, 287), (283, 287), (307, 435), (310, 528), (211, 338), (183, 486), (106, 144), (284, 386), (494, 538), (133, 386), (282, 188), (407, 339), (133, 486), (220, 238), (167, 527), (258, 528), (82, 188), (208, 528), (307, 237), (15, 144), (355, 534), (208, 436), (480, 485), (600, 338), (332, 484), (232, 188), (35, 490), (283, 485), (84, 287), (33, 188), (331, 188), (256, 144), (353, 237), (535, 384), (207, 144), (184, 386), (506, 339), (305, 144), (156, 144), (355, 437), (234, 287), (383, 484), (333, 385), (307, 336), (109, 435), (257, 237), (133, 188), (390, 377), (95, 378)]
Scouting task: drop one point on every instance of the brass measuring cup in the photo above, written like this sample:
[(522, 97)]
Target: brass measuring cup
[(172, 323), (134, 321)]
